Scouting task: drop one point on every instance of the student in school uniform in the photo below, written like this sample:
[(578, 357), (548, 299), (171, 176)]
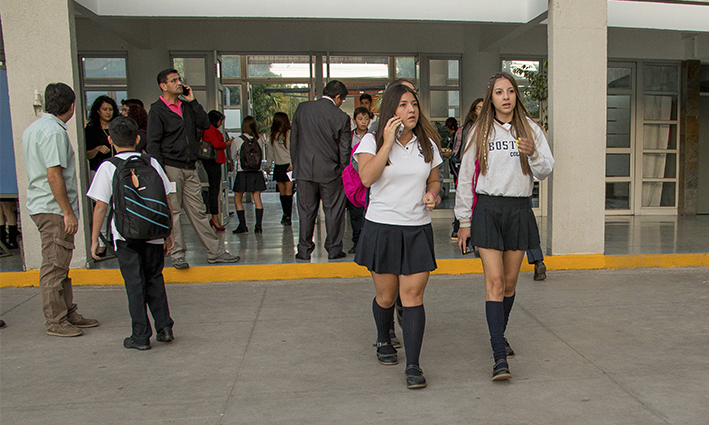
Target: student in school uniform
[(141, 262), (512, 150)]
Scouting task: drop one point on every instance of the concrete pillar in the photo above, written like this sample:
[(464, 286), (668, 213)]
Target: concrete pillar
[(689, 139), (577, 34), (40, 48)]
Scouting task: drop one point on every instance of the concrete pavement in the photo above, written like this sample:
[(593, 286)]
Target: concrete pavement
[(593, 347)]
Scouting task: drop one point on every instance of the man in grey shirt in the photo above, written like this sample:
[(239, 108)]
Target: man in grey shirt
[(52, 202)]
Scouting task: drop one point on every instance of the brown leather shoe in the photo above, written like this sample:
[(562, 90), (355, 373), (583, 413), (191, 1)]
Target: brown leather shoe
[(63, 329), (82, 322)]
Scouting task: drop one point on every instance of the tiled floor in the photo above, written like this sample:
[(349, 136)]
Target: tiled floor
[(624, 235)]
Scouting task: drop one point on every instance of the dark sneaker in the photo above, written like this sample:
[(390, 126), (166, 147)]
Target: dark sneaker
[(224, 258), (63, 329), (501, 371), (353, 250), (414, 377), (454, 235), (180, 263), (129, 343), (540, 271), (165, 335), (82, 322)]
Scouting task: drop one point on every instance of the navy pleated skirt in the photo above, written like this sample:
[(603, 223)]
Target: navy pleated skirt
[(400, 250), (249, 181), (504, 224)]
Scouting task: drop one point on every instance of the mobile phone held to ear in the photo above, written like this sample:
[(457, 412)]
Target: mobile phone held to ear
[(468, 248), (399, 130), (185, 91)]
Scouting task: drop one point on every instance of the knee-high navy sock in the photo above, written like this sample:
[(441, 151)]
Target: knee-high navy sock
[(242, 218), (289, 206), (495, 312), (284, 198), (259, 216), (413, 327), (507, 303), (382, 318)]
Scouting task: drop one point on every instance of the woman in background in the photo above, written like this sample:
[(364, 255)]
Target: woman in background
[(278, 153), (213, 167), (248, 180)]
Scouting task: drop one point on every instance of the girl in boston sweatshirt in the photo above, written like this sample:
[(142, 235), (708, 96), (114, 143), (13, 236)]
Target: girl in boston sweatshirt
[(511, 150)]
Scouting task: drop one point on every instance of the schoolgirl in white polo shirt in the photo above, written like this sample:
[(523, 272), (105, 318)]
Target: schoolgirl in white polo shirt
[(511, 149), (400, 167)]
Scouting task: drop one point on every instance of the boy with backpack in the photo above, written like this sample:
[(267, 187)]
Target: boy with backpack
[(136, 187), (354, 189)]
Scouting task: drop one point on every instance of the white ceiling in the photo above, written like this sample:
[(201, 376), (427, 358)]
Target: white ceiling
[(630, 14)]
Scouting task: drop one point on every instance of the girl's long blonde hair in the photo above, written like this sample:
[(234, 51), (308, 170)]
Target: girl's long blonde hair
[(485, 123)]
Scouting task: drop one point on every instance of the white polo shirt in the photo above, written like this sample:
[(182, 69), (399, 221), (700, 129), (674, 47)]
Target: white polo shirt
[(397, 196)]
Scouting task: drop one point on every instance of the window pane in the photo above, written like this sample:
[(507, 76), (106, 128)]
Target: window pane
[(444, 73), (660, 107), (358, 67), (191, 70), (618, 165), (618, 121), (104, 67), (619, 78), (406, 68), (230, 66), (661, 78), (232, 95), (618, 195), (201, 96), (232, 118), (445, 104), (516, 67), (659, 136), (659, 165), (658, 194), (271, 98), (90, 97), (278, 66)]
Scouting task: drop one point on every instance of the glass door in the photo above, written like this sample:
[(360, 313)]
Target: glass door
[(657, 147), (620, 134)]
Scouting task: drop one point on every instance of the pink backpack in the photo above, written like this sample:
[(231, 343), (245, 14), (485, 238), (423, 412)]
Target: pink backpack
[(354, 189)]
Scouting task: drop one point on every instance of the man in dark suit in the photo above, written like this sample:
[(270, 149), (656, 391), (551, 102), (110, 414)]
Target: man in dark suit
[(320, 149)]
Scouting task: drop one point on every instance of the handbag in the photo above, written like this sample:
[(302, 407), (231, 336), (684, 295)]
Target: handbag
[(206, 151)]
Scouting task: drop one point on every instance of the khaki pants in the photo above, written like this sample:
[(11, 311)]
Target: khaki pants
[(54, 283), (188, 195)]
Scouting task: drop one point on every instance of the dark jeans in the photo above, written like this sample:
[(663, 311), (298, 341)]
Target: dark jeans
[(535, 255), (356, 220), (214, 173), (141, 265)]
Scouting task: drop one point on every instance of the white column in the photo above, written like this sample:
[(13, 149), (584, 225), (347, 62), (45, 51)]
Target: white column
[(577, 33), (40, 48)]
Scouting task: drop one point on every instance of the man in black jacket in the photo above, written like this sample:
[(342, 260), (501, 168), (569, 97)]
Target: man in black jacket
[(320, 143), (173, 140)]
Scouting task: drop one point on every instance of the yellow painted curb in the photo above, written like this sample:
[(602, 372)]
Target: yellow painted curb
[(257, 272)]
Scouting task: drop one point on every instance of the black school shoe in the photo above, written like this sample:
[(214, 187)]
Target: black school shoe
[(501, 371), (129, 343), (540, 271), (387, 359), (414, 377), (165, 335), (508, 350)]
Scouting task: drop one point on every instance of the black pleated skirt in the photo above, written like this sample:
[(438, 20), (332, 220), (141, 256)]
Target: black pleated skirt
[(399, 250), (249, 181), (280, 173), (504, 224)]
